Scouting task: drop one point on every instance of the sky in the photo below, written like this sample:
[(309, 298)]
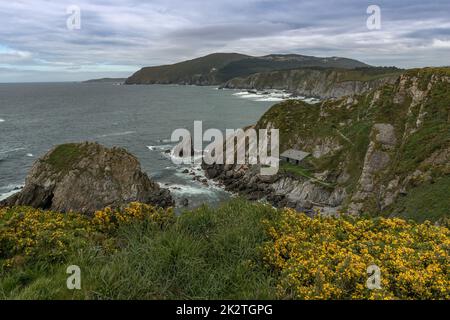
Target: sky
[(115, 38)]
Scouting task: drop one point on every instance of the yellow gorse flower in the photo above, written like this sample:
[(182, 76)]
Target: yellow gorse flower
[(327, 258), (27, 232)]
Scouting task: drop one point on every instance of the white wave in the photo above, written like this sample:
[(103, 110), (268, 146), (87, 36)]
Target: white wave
[(11, 150), (162, 147), (13, 189), (180, 189), (272, 96), (2, 120), (29, 155), (270, 99), (115, 134)]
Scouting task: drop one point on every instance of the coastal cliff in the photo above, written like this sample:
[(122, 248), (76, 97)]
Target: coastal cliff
[(322, 83), (383, 152)]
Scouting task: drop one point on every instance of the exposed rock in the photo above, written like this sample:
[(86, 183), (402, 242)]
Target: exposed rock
[(385, 134), (314, 82), (184, 202), (85, 177)]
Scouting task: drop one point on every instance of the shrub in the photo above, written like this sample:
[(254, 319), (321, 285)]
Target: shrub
[(327, 258), (108, 219), (33, 234)]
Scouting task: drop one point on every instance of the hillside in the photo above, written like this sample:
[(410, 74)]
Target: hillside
[(199, 71), (252, 65), (318, 82), (218, 68), (386, 152), (106, 80)]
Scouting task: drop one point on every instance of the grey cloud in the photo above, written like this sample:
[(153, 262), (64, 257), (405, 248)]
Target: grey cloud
[(132, 33)]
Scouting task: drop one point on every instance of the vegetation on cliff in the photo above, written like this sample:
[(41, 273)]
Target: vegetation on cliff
[(384, 150), (241, 250), (217, 68), (319, 82)]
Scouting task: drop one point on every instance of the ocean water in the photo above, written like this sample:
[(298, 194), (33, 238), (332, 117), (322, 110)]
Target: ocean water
[(35, 117)]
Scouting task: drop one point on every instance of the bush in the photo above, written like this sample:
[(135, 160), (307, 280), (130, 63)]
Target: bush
[(240, 250), (28, 234), (327, 258)]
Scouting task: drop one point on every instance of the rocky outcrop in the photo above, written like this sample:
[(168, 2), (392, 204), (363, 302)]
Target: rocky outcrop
[(282, 189), (85, 177), (322, 83)]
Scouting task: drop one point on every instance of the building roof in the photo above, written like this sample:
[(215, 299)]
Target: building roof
[(295, 154)]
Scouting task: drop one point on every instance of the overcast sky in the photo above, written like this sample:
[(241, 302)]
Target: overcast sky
[(117, 37)]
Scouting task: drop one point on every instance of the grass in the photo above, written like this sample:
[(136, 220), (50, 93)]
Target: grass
[(430, 201), (64, 156), (241, 250), (298, 170), (206, 254)]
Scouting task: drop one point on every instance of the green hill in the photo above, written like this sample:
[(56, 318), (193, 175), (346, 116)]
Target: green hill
[(275, 62), (197, 71), (218, 68)]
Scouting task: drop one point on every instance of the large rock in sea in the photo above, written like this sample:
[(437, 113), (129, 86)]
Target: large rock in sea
[(85, 177)]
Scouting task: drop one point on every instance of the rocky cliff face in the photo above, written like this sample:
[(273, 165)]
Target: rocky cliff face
[(86, 177), (322, 83), (384, 152)]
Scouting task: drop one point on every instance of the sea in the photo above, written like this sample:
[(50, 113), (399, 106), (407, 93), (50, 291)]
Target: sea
[(34, 117)]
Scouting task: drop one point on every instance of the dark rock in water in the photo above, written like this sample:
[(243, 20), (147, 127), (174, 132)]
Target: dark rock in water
[(185, 202), (85, 177), (211, 173), (167, 151), (185, 171)]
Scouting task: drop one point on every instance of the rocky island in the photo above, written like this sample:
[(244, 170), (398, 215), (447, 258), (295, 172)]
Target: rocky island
[(85, 177)]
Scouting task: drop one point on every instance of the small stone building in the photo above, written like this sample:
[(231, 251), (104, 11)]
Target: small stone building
[(294, 156)]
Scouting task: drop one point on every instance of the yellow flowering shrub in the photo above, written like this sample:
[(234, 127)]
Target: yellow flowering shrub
[(108, 219), (327, 257), (26, 232)]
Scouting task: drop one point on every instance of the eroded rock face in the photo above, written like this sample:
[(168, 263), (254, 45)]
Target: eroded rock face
[(85, 177)]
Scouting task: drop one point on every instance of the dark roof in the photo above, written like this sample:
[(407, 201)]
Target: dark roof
[(295, 154)]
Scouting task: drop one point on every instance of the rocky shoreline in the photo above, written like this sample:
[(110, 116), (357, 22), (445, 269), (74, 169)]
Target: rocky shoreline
[(322, 84), (281, 190)]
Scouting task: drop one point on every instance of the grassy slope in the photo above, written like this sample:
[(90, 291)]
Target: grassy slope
[(241, 250), (252, 65), (185, 70), (207, 253)]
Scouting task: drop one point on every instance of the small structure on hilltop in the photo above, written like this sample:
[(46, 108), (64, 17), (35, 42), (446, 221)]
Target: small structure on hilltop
[(294, 156)]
